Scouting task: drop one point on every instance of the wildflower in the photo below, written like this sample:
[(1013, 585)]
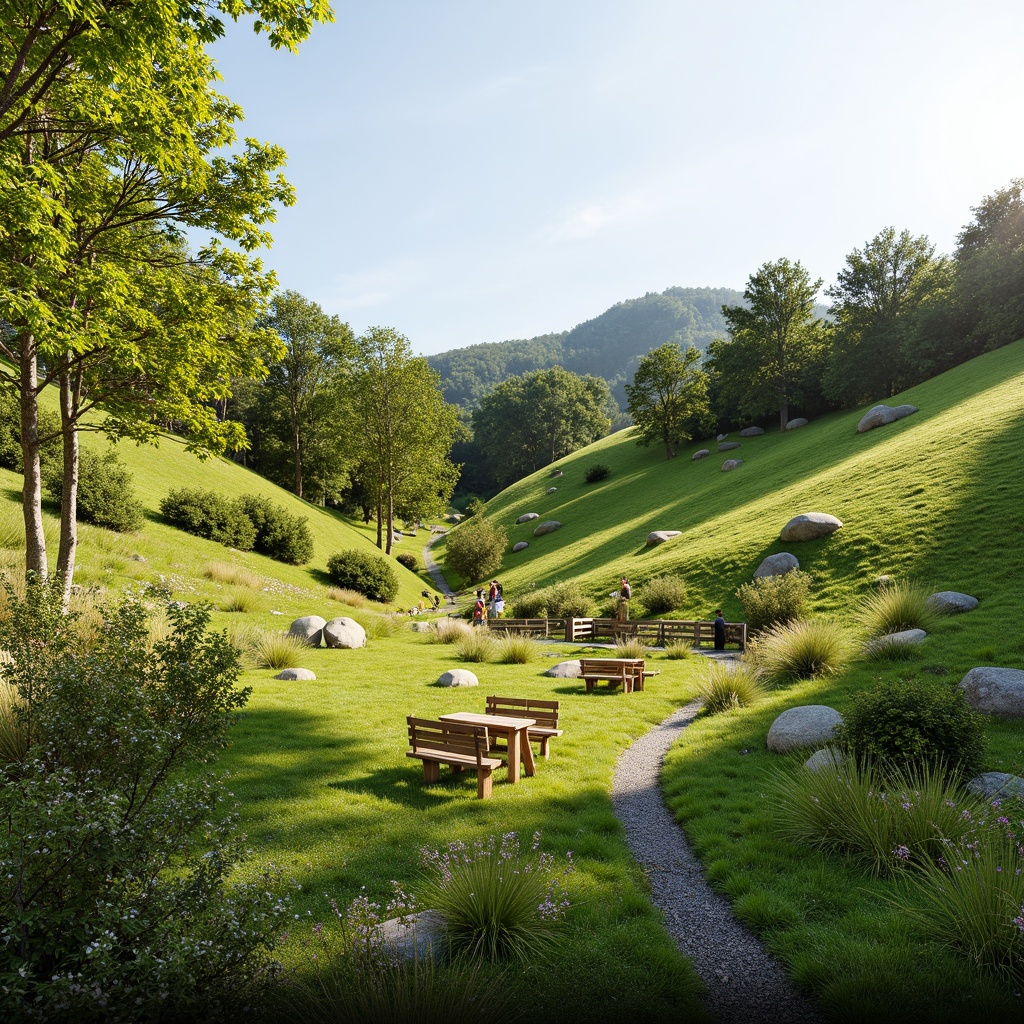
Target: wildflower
[(902, 853)]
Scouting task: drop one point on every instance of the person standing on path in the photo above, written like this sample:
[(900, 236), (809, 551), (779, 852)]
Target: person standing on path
[(719, 630), (625, 593)]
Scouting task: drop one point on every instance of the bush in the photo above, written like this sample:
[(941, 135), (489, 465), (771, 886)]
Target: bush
[(598, 471), (279, 535), (105, 493), (559, 601), (910, 722), (774, 599), (10, 433), (209, 514), (723, 688), (368, 574), (662, 594), (475, 507), (474, 548), (897, 607), (801, 650), (409, 560)]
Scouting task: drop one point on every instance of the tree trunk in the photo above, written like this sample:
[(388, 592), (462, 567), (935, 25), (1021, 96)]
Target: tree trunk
[(783, 414), (297, 446), (380, 520), (69, 491), (31, 493), (391, 523)]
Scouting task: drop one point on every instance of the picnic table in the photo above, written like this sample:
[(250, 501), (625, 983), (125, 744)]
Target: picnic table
[(513, 729)]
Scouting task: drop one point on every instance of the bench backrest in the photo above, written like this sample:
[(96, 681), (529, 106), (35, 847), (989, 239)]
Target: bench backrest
[(543, 712), (449, 737), (624, 666)]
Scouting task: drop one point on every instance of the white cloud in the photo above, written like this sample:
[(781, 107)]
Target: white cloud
[(583, 222), (372, 287)]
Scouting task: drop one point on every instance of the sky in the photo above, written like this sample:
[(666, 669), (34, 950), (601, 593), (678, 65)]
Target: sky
[(478, 170)]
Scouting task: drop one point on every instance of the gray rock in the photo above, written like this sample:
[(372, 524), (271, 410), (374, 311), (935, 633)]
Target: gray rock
[(809, 526), (417, 627), (949, 602), (796, 423), (880, 415), (660, 536), (309, 629), (458, 677), (996, 784), (548, 527), (882, 582), (415, 937), (565, 670), (137, 558), (551, 490), (727, 446), (344, 632), (527, 517), (721, 437), (296, 673), (777, 565), (731, 464), (827, 757), (810, 725), (520, 546), (556, 472), (995, 691), (702, 454), (906, 636), (751, 431)]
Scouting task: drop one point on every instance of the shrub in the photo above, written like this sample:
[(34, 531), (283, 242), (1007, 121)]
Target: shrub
[(800, 650), (908, 721), (476, 645), (559, 601), (774, 599), (662, 594), (350, 597), (531, 605), (10, 433), (498, 901), (897, 607), (105, 493), (209, 514), (447, 631), (598, 471), (367, 574), (724, 687), (279, 534), (409, 560), (474, 548), (516, 649), (475, 507)]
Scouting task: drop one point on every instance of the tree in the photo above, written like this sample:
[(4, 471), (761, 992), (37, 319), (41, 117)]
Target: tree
[(778, 335), (668, 396), (530, 421), (474, 548)]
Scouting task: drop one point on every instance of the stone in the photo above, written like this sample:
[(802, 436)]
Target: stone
[(809, 725), (996, 784), (906, 636), (727, 446), (721, 437), (702, 454), (548, 527), (344, 632), (527, 516), (137, 558), (304, 674), (777, 565), (880, 415), (751, 431), (827, 757), (796, 423), (660, 536), (551, 490), (995, 691), (520, 546), (417, 627), (415, 937), (309, 629), (731, 464), (949, 602), (565, 670), (809, 526), (556, 472), (457, 677)]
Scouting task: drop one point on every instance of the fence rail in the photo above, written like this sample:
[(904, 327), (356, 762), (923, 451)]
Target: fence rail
[(656, 632)]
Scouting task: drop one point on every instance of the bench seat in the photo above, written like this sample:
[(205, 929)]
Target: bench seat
[(543, 712), (455, 744)]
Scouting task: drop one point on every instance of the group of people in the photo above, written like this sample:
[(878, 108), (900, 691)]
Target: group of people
[(489, 603)]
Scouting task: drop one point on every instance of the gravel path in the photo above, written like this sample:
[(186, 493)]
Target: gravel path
[(440, 583), (744, 982)]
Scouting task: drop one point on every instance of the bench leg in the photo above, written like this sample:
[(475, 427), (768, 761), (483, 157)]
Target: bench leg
[(431, 771), (544, 740), (483, 783), (590, 685)]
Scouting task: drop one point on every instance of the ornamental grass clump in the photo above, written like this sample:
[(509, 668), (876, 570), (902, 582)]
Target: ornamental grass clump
[(896, 608), (476, 645), (678, 650), (448, 631), (516, 649), (629, 648), (344, 595), (804, 649), (499, 901), (14, 735), (278, 650), (725, 687)]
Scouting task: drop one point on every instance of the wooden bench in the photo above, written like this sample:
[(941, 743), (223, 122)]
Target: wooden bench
[(544, 712), (455, 744), (625, 672)]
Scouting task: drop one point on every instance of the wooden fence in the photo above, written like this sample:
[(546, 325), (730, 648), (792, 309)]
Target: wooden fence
[(655, 632)]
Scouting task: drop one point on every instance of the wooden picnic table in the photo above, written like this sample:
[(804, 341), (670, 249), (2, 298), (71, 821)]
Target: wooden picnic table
[(513, 729)]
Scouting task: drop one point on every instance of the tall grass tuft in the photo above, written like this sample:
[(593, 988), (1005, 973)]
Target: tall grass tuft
[(885, 651), (14, 732), (804, 649), (630, 648), (678, 650), (346, 596), (232, 575), (241, 599), (516, 649), (448, 631), (897, 607), (379, 626), (477, 645), (278, 650), (725, 687)]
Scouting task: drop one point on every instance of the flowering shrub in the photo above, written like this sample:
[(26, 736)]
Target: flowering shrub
[(498, 901)]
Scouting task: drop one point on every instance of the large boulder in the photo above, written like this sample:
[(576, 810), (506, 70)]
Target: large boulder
[(660, 536), (777, 565), (527, 516), (414, 937), (809, 526), (731, 464), (810, 725), (457, 677), (520, 546), (309, 629), (417, 627), (344, 632), (303, 674), (547, 527), (880, 415), (995, 691), (751, 431), (702, 454), (949, 602), (827, 757), (796, 423), (996, 784), (727, 446), (565, 670)]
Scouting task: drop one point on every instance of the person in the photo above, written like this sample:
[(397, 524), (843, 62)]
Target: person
[(437, 601), (479, 610), (719, 630), (498, 600), (625, 593)]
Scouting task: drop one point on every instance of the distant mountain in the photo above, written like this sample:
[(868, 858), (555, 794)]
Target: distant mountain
[(609, 346)]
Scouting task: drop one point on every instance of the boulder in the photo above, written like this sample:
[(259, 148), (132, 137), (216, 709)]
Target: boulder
[(906, 636), (551, 490), (309, 629), (751, 431), (417, 627), (727, 446), (526, 517), (721, 437), (414, 937), (777, 565), (703, 453), (809, 526), (827, 757), (880, 415), (810, 725), (457, 677), (949, 602), (556, 472), (304, 674), (344, 632), (548, 527), (794, 424), (731, 464), (565, 670), (520, 546), (996, 784), (660, 536), (995, 691)]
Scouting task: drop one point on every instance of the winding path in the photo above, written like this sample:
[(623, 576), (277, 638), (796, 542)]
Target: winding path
[(744, 982), (440, 583)]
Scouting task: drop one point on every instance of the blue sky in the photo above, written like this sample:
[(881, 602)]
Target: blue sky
[(475, 170)]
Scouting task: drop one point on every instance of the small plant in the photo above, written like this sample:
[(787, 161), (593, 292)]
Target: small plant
[(106, 496), (346, 596), (662, 594), (800, 650), (232, 575), (448, 631), (724, 687), (278, 650), (475, 547), (629, 648), (774, 599), (241, 599), (888, 651), (368, 574), (678, 650), (897, 607), (498, 900), (409, 560), (516, 649), (477, 645), (597, 472)]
